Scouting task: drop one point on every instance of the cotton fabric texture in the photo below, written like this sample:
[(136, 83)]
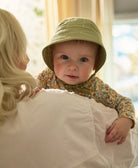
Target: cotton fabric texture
[(43, 135), (75, 28), (93, 88)]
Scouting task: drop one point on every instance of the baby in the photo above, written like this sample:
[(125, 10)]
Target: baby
[(74, 55)]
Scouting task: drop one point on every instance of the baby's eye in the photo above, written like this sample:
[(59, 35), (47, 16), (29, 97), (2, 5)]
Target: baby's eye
[(64, 57), (84, 59)]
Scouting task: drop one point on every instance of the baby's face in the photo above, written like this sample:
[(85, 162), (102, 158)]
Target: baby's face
[(74, 61)]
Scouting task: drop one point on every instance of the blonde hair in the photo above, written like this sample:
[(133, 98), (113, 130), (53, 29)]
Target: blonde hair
[(15, 84)]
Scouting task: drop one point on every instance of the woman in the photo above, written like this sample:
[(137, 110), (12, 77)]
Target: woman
[(52, 128)]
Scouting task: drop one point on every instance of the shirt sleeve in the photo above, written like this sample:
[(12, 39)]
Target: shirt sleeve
[(109, 97)]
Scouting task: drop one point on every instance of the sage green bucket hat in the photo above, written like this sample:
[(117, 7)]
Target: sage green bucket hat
[(75, 28)]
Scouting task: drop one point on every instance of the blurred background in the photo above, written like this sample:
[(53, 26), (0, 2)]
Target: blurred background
[(117, 20)]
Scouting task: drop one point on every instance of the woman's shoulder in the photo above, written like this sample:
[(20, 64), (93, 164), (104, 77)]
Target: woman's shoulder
[(54, 97)]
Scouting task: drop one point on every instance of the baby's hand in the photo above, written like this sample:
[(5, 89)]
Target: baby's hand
[(118, 131)]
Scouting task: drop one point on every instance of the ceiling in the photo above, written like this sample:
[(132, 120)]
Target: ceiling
[(125, 6)]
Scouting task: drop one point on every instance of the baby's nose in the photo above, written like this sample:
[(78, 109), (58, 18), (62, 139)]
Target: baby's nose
[(73, 66)]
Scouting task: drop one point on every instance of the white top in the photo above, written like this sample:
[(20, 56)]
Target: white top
[(57, 129)]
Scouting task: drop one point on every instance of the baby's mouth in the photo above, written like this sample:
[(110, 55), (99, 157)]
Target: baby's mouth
[(72, 76)]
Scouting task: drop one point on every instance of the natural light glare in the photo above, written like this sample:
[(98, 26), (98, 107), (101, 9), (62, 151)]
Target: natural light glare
[(125, 43), (31, 15)]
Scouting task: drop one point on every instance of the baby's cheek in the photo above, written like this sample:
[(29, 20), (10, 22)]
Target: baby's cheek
[(57, 69)]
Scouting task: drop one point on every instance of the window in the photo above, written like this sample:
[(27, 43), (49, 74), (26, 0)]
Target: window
[(125, 46), (31, 15)]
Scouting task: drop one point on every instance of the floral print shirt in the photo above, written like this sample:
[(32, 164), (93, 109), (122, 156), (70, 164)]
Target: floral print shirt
[(93, 88)]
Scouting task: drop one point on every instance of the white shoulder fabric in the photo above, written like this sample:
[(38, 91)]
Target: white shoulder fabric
[(57, 129)]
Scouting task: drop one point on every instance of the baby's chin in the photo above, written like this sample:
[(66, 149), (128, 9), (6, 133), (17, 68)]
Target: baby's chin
[(71, 82)]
